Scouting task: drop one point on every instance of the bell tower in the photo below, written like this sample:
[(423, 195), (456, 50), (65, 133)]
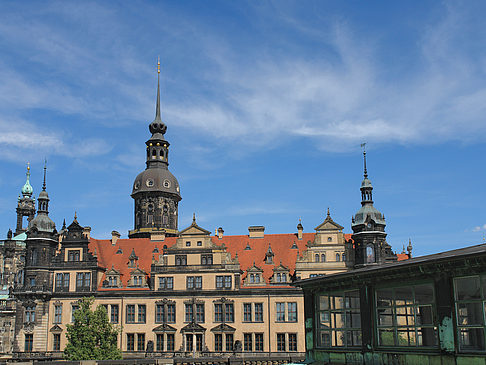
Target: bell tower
[(25, 205), (368, 224), (156, 191)]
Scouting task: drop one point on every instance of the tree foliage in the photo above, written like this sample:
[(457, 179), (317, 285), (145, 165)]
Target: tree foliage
[(91, 336)]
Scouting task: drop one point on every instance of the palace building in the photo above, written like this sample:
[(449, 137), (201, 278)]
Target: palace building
[(175, 293)]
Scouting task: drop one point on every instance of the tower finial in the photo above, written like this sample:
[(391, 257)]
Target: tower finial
[(157, 108), (363, 145), (75, 216), (328, 213), (45, 169), (194, 218)]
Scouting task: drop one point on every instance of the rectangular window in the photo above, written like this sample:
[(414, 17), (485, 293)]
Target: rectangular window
[(292, 341), (114, 316), (130, 341), (229, 341), (190, 282), (292, 312), (281, 342), (198, 282), (189, 342), (56, 342), (79, 280), (30, 314), (171, 313), (189, 312), (140, 341), (281, 312), (470, 297), (229, 312), (218, 342), (58, 314), (159, 313), (200, 313), (199, 243), (159, 342), (142, 313), (247, 342), (199, 342), (218, 312), (258, 312), (73, 255), (339, 319), (62, 281), (74, 308), (223, 282), (405, 316), (170, 342), (246, 312), (166, 283), (258, 341), (29, 342), (130, 313), (87, 280), (181, 260), (188, 243), (207, 259)]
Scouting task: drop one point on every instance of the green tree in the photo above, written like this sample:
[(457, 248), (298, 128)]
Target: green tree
[(91, 336)]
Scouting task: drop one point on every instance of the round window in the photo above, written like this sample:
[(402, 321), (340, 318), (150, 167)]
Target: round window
[(136, 185), (166, 183), (150, 183)]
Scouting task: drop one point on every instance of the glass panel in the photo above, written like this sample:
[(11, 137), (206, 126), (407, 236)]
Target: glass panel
[(353, 319), (325, 319), (337, 320), (352, 299), (323, 302), (471, 338), (406, 337), (405, 316), (424, 314), (356, 337), (337, 302), (427, 336), (326, 339), (338, 338), (470, 314), (468, 288), (404, 295), (424, 294), (384, 298), (386, 337), (385, 317)]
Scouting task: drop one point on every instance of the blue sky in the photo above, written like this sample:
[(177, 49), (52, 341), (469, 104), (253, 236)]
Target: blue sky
[(266, 105)]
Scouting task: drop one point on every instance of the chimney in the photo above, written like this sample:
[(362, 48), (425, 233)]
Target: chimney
[(87, 232), (114, 237), (300, 230), (256, 231), (220, 233)]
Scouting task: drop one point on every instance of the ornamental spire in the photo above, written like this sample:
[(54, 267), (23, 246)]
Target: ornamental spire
[(45, 169), (157, 126), (363, 145), (157, 108), (27, 188)]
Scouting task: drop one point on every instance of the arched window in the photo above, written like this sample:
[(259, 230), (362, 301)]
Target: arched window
[(370, 254), (279, 278), (317, 257), (257, 278), (33, 258), (343, 257), (338, 257), (323, 257), (284, 278), (165, 216), (252, 278), (161, 153), (154, 154)]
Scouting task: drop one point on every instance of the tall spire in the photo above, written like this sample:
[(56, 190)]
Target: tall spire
[(157, 126), (363, 145), (45, 168), (157, 108)]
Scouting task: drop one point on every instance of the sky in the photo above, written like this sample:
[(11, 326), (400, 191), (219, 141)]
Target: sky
[(266, 105)]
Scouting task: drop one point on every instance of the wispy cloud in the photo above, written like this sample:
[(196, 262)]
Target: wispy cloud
[(479, 228)]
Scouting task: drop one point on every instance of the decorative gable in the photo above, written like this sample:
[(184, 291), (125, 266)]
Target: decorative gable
[(328, 224), (254, 276), (138, 278)]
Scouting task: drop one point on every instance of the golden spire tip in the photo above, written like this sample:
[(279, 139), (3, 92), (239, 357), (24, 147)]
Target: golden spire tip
[(158, 64)]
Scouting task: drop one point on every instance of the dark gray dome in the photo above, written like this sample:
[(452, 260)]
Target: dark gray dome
[(157, 180), (43, 223)]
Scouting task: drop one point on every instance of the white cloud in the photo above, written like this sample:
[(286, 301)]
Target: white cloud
[(479, 228)]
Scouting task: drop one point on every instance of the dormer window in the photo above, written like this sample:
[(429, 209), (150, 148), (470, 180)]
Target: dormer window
[(112, 281), (137, 280), (73, 255)]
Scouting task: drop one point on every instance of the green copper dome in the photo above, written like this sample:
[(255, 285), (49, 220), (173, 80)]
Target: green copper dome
[(27, 188)]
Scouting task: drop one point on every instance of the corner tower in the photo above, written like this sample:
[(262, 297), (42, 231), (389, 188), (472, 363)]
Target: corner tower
[(370, 246), (25, 205), (156, 191)]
